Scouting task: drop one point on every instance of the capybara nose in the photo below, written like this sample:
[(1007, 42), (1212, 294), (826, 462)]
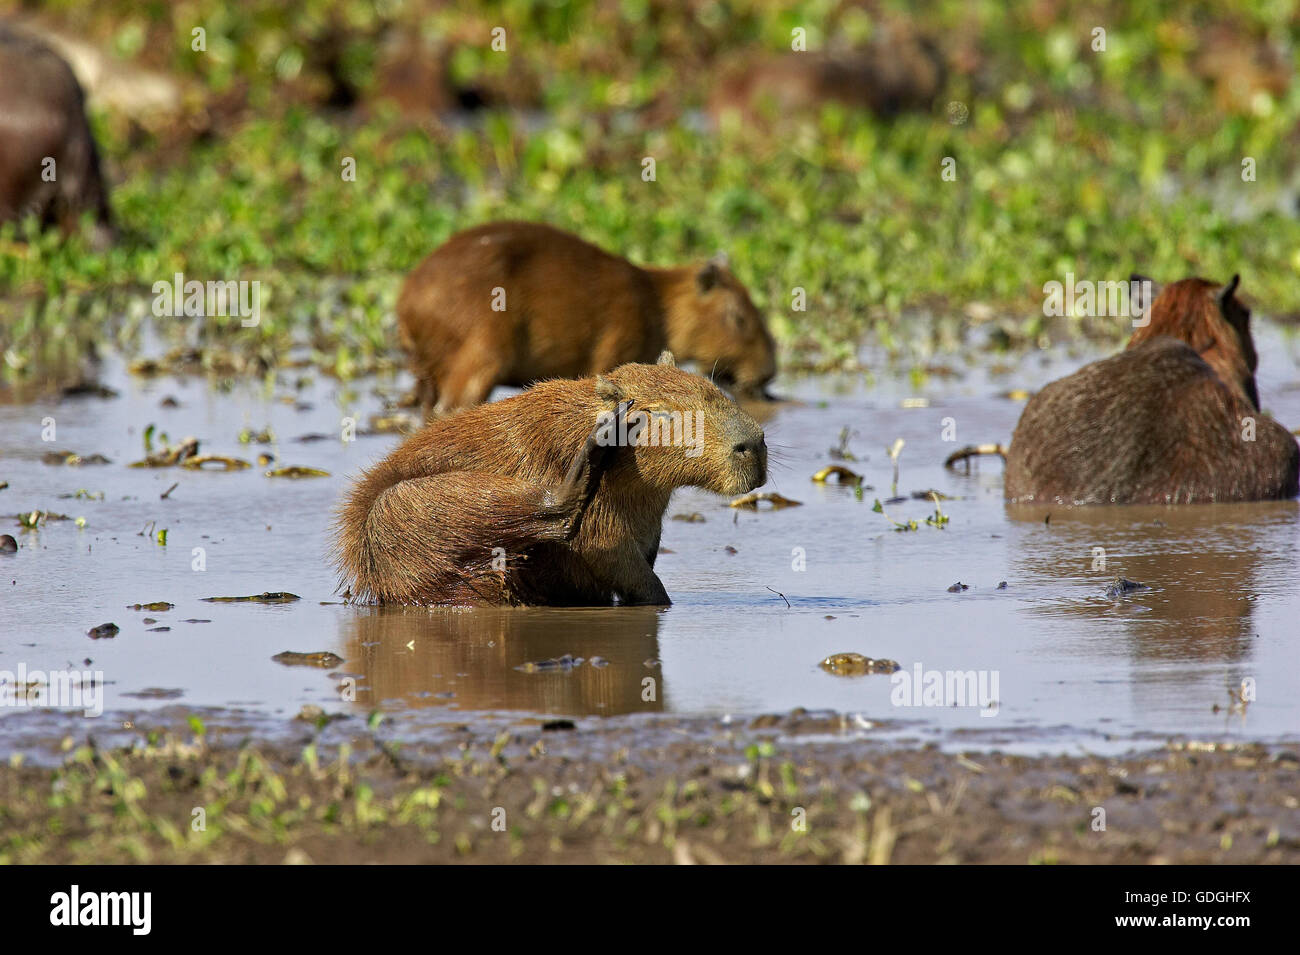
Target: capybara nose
[(752, 453)]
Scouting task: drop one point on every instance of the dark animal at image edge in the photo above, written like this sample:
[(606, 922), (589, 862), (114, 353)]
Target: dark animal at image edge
[(577, 522), (42, 116), (1166, 421), (570, 309)]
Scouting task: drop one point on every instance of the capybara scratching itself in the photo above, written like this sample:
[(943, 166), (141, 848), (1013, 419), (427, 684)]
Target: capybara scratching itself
[(1172, 419), (511, 303), (555, 496), (49, 165)]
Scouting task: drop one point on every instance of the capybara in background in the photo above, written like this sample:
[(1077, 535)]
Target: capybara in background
[(537, 500), (43, 117), (1173, 419), (511, 303), (891, 75)]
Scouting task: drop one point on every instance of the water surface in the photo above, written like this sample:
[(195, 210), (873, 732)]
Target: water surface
[(759, 598)]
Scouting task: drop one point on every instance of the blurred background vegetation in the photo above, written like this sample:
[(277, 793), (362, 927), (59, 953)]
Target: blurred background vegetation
[(225, 163)]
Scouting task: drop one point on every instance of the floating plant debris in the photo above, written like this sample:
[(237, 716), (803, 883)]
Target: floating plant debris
[(223, 463), (855, 664), (270, 597), (752, 500), (297, 472), (319, 658)]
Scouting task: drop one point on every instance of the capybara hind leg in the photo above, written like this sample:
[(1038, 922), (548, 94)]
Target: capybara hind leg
[(435, 539)]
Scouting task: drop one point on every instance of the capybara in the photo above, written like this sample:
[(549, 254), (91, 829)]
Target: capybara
[(555, 496), (511, 303), (892, 75), (49, 165), (1172, 419)]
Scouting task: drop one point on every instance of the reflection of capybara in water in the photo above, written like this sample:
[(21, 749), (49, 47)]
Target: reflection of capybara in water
[(890, 76), (1173, 419), (511, 303), (529, 500), (43, 119)]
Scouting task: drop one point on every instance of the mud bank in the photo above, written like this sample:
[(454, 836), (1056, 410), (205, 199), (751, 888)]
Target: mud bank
[(798, 787)]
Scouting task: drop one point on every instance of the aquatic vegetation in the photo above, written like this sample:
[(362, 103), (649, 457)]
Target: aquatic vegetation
[(270, 597), (1066, 161), (856, 664)]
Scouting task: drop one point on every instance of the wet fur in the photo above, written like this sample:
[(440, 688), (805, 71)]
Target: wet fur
[(1161, 422), (420, 526)]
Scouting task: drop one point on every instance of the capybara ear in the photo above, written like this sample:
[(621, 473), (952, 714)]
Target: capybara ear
[(709, 276), (1140, 283), (607, 389), (666, 358), (1224, 295)]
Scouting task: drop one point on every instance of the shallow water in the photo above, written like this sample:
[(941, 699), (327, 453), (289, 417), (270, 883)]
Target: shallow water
[(1073, 667)]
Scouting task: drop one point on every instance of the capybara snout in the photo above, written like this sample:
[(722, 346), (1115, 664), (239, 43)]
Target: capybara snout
[(749, 454)]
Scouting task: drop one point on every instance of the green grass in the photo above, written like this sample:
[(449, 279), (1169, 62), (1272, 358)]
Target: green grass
[(1070, 161)]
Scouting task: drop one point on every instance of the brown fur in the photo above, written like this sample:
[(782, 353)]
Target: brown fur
[(42, 114), (1163, 421), (578, 524), (892, 75), (571, 309)]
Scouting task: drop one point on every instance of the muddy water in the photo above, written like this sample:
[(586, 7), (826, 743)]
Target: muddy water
[(1064, 664)]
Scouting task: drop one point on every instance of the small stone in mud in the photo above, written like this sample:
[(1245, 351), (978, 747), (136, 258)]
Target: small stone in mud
[(1002, 585), (102, 631), (320, 658), (158, 629), (855, 664), (192, 620), (157, 607), (730, 550), (1122, 586), (169, 402), (7, 544), (148, 620), (958, 587), (564, 663), (270, 597), (558, 725)]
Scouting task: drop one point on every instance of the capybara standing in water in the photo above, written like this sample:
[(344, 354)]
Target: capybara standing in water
[(511, 303), (555, 496), (49, 166), (1173, 419)]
